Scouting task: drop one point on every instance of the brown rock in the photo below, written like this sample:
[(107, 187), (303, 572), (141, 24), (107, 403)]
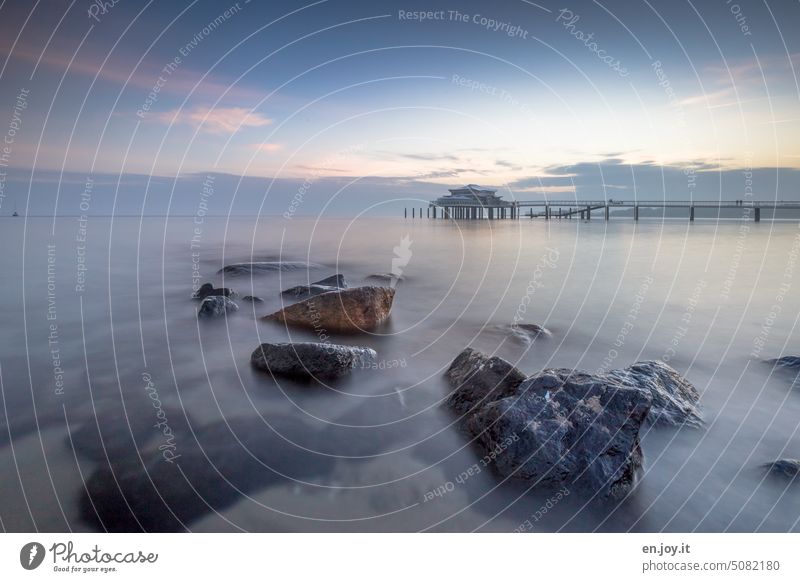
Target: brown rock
[(348, 310)]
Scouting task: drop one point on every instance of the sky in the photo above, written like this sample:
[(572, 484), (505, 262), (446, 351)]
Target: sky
[(351, 105)]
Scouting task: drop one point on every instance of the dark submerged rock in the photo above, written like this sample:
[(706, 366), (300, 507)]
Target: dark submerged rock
[(347, 311), (784, 467), (792, 362), (207, 290), (226, 461), (310, 359), (117, 432), (216, 306), (332, 283), (252, 299), (564, 427), (266, 267)]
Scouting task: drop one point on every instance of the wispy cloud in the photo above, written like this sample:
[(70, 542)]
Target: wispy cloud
[(225, 120), (181, 82), (268, 147)]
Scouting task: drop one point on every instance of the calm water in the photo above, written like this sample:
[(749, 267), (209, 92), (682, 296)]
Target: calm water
[(374, 444)]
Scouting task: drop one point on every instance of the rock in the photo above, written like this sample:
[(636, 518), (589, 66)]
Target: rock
[(219, 466), (387, 277), (350, 310), (786, 362), (528, 332), (118, 432), (266, 267), (207, 290), (674, 398), (333, 283), (310, 359), (215, 306), (477, 379), (252, 299), (563, 427), (784, 467)]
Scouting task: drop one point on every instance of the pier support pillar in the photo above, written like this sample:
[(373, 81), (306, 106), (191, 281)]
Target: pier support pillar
[(607, 212), (588, 213), (757, 217), (636, 212), (691, 213)]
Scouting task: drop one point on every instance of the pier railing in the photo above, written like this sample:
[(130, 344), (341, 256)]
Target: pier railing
[(470, 210)]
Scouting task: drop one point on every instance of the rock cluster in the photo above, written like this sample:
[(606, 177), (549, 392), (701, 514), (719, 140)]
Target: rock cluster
[(562, 427)]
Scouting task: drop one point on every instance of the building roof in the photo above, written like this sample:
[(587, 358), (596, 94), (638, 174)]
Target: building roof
[(474, 188), (472, 193)]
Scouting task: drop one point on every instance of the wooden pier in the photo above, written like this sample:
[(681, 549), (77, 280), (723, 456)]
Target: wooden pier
[(583, 209)]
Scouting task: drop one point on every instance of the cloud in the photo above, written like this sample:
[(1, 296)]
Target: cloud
[(180, 82), (225, 120), (268, 147), (649, 181)]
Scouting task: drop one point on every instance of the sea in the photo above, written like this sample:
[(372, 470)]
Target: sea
[(101, 346)]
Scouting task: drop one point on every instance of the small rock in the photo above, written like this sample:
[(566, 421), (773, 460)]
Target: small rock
[(252, 299), (348, 311), (528, 332), (207, 290), (310, 359), (786, 362), (215, 306), (266, 267), (784, 467), (332, 283), (387, 277)]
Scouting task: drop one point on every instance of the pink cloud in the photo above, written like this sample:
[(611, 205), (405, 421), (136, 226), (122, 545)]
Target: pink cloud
[(217, 120), (268, 147)]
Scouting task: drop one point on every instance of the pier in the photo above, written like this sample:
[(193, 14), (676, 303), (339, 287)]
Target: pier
[(475, 203)]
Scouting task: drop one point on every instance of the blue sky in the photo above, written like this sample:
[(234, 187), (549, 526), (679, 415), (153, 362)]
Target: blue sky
[(586, 99)]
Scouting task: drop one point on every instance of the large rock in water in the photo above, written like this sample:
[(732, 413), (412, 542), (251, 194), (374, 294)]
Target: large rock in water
[(310, 359), (347, 311), (216, 306), (332, 283), (564, 427)]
